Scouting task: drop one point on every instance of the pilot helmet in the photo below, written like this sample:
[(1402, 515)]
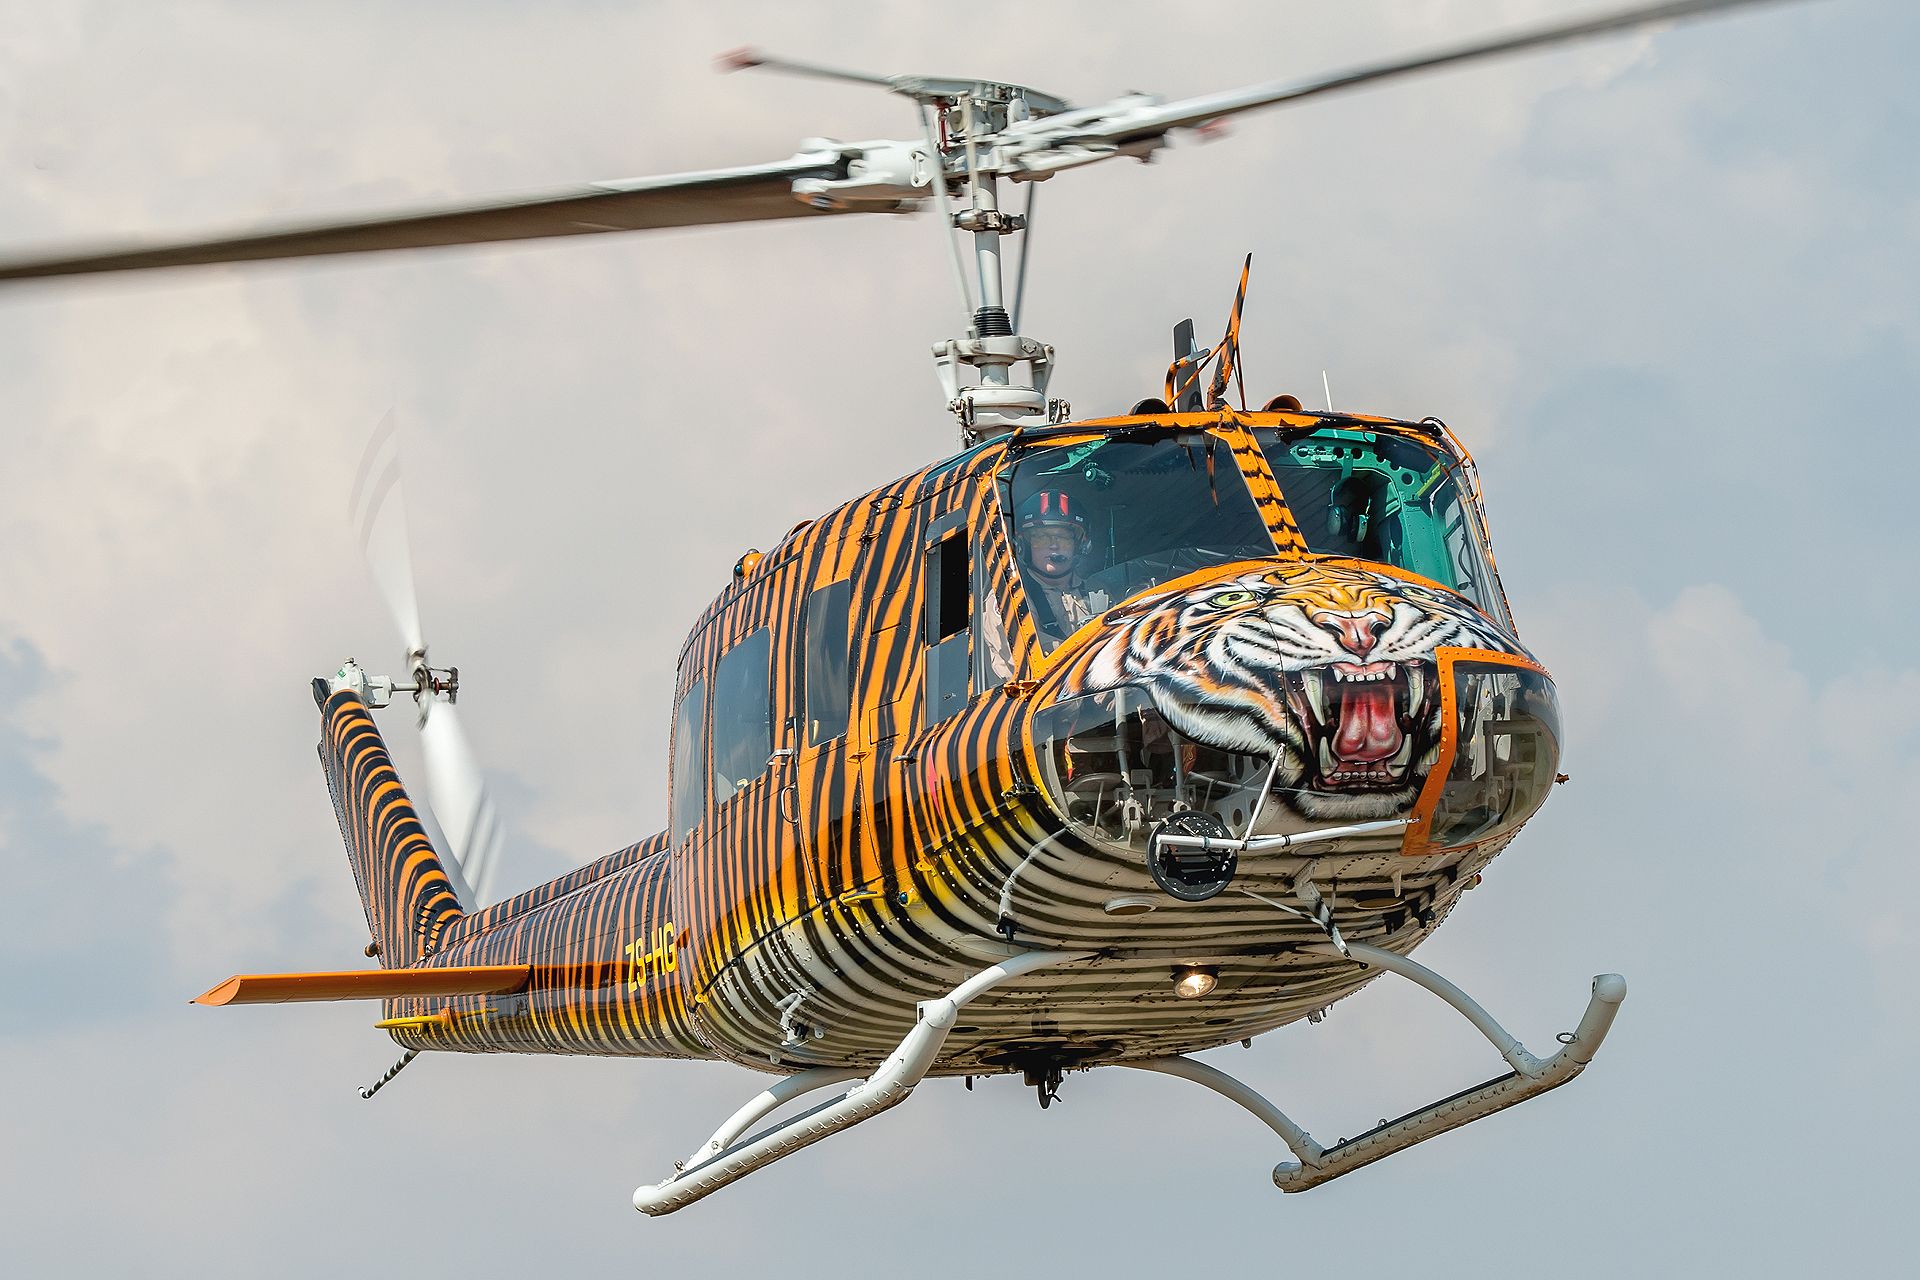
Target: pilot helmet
[(1053, 508)]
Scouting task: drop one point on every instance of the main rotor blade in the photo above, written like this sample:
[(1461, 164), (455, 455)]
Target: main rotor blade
[(1151, 122), (748, 59), (749, 194)]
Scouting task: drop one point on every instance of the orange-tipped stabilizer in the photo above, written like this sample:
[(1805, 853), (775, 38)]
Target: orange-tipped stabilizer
[(368, 984)]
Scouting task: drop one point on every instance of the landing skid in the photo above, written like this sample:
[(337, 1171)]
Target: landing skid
[(726, 1158), (1314, 1164)]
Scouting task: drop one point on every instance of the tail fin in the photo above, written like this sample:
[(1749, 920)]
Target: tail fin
[(409, 900)]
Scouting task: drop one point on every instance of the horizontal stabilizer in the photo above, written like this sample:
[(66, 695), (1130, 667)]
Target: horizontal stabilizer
[(368, 984)]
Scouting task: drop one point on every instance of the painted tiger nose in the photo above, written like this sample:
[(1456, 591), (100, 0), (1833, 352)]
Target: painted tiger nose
[(1358, 632)]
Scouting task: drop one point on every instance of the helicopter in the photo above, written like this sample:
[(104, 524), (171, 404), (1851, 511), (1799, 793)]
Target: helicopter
[(973, 844)]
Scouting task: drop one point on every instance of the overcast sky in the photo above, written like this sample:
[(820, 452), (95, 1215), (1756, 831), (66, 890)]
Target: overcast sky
[(1663, 286)]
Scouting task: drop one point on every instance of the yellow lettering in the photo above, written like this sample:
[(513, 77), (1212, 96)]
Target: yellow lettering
[(635, 965), (658, 962)]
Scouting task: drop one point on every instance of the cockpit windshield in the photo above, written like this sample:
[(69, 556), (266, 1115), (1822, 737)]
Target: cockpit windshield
[(1095, 522), (1376, 496)]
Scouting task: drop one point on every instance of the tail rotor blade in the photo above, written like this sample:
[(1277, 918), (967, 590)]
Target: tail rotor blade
[(461, 801), (457, 796), (379, 514)]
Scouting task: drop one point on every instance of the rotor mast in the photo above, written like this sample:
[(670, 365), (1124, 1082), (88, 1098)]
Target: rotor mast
[(964, 151), (996, 404)]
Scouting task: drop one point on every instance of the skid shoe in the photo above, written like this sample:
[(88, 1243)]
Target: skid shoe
[(1530, 1076)]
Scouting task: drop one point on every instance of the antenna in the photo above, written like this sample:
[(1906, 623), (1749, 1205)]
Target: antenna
[(1190, 359), (1183, 376), (1328, 388)]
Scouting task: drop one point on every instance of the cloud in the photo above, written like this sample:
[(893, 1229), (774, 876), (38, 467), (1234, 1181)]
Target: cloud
[(77, 924)]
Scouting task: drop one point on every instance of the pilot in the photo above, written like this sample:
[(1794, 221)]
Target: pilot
[(1052, 540)]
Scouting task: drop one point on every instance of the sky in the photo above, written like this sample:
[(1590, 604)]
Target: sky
[(1661, 285)]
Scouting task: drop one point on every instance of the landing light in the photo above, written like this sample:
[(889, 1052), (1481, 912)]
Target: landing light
[(1192, 981)]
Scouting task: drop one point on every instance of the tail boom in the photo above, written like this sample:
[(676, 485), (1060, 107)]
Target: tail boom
[(409, 900)]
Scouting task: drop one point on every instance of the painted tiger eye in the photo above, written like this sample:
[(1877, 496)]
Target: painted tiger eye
[(1229, 599)]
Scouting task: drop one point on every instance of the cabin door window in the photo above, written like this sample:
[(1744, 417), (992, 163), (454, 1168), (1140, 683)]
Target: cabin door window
[(742, 715), (820, 799), (827, 697)]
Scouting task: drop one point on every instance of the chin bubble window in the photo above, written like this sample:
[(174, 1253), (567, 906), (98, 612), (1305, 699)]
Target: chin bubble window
[(1499, 751)]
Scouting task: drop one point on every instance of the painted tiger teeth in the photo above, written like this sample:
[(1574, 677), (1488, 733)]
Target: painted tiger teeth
[(1315, 686), (1416, 685)]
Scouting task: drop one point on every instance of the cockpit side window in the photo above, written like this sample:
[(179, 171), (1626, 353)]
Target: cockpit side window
[(1096, 522), (689, 760), (948, 585), (1371, 495)]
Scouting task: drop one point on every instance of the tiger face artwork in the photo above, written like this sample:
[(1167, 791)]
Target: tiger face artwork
[(1331, 669)]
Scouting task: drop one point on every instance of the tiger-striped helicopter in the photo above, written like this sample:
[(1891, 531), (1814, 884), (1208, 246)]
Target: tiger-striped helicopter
[(1098, 743)]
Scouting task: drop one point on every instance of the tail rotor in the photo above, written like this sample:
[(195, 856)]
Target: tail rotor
[(457, 790)]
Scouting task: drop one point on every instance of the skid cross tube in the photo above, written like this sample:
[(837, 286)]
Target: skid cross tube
[(1314, 1164), (726, 1159)]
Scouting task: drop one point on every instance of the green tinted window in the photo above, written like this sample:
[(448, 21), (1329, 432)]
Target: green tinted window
[(1373, 496)]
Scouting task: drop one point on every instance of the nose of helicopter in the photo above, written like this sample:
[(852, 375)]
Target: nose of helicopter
[(1300, 695)]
